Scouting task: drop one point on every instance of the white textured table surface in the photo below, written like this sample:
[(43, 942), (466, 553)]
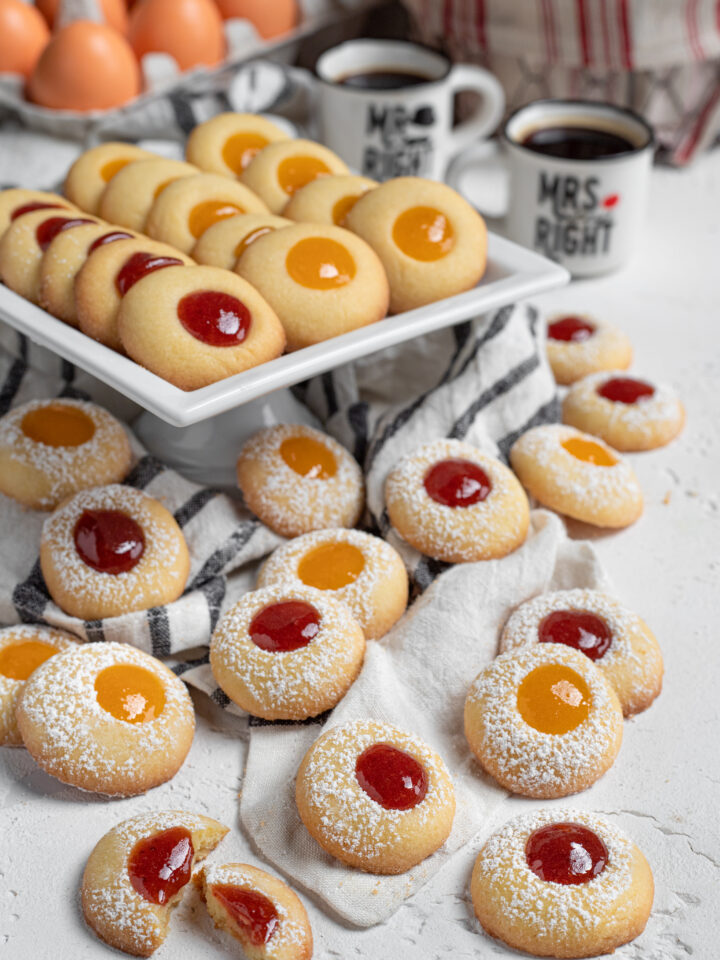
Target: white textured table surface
[(665, 787)]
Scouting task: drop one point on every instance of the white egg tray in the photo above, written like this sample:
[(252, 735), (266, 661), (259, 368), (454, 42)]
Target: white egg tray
[(513, 274)]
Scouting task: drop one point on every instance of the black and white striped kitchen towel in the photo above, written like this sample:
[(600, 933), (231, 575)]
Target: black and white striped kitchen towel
[(485, 381)]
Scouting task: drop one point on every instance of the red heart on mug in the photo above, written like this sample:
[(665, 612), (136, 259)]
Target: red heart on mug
[(611, 200)]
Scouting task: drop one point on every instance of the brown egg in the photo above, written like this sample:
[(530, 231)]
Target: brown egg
[(191, 31), (115, 12), (269, 17), (86, 66), (23, 34)]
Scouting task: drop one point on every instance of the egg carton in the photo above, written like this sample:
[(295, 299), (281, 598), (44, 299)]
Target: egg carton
[(166, 88)]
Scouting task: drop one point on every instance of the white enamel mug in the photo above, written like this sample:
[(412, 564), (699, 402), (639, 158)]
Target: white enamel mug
[(585, 214), (406, 130)]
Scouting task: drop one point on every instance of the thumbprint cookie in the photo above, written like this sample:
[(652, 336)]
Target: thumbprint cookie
[(543, 721), (186, 208), (111, 550), (25, 241), (618, 642), (260, 911), (628, 413), (562, 883), (375, 797), (358, 569), (578, 475), (432, 243), (297, 479), (108, 718), (17, 201), (225, 241), (50, 449), (328, 199), (281, 169), (578, 345), (106, 276), (227, 143), (454, 503), (128, 198), (320, 280), (198, 325), (62, 262), (287, 653), (138, 872), (22, 650), (94, 169)]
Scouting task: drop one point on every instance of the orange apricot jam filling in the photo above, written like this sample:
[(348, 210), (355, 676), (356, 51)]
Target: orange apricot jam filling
[(424, 233), (342, 208), (296, 172), (553, 698), (320, 263), (161, 186), (130, 693), (18, 660), (205, 214), (241, 148), (589, 452), (331, 566), (251, 238), (114, 166), (308, 457), (58, 426)]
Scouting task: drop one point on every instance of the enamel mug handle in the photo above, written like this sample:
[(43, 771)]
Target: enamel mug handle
[(464, 76)]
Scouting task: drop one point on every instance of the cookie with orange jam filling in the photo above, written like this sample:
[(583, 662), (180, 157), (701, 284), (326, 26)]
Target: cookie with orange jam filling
[(108, 718), (128, 198), (186, 208), (297, 479), (362, 571), (22, 649), (543, 721), (95, 168), (432, 243), (50, 449), (139, 871), (320, 280), (327, 199), (561, 883), (281, 169), (227, 143), (222, 244), (578, 475)]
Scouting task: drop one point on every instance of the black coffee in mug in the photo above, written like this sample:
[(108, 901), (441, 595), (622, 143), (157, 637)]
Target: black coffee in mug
[(383, 80), (576, 143)]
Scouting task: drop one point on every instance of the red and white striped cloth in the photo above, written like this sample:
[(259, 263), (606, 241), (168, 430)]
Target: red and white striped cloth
[(659, 57)]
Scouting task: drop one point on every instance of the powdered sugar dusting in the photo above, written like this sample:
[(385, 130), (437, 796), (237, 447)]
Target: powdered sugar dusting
[(446, 528), (347, 814), (66, 469), (286, 499), (529, 761), (79, 742), (290, 681), (162, 546), (554, 908), (639, 420)]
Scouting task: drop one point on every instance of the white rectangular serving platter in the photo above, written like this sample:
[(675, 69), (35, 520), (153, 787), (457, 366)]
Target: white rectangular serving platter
[(513, 274)]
